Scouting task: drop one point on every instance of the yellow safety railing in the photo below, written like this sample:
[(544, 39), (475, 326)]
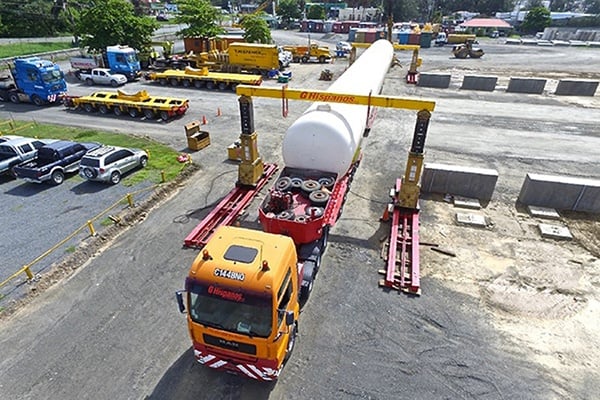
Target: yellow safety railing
[(89, 224)]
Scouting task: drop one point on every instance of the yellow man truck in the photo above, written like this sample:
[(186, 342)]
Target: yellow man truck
[(137, 104), (309, 53), (242, 299), (203, 78)]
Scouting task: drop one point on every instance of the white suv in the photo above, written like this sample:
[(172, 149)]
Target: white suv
[(109, 163)]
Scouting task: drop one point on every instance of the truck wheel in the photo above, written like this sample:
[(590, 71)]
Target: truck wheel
[(233, 86), (164, 116), (162, 81), (297, 183), (308, 278), (304, 59), (286, 214), (103, 109), (88, 107), (89, 82), (317, 211), (210, 85), (310, 185), (291, 342), (327, 182), (283, 183), (174, 82), (14, 98), (319, 198), (222, 85), (117, 110), (114, 83), (133, 112), (115, 177), (322, 59), (57, 177), (324, 239), (186, 83), (149, 114), (37, 100), (199, 84)]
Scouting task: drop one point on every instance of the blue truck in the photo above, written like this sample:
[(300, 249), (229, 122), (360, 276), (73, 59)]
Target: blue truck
[(119, 59), (54, 161), (34, 80)]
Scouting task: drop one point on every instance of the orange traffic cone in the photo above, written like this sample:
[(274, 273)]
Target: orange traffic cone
[(219, 112), (386, 213), (204, 121)]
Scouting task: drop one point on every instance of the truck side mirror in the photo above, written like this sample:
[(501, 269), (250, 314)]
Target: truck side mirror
[(179, 295), (289, 318)]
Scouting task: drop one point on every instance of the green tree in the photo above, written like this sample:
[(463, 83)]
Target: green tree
[(592, 6), (31, 18), (113, 22), (288, 10), (201, 18), (256, 29), (536, 20), (316, 11)]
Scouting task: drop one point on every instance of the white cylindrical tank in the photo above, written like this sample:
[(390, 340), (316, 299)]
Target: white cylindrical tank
[(327, 136)]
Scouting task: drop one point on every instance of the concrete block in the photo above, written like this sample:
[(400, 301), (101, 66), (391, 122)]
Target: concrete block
[(526, 85), (441, 81), (476, 183), (561, 192), (465, 202), (485, 83), (471, 219), (568, 87), (543, 212), (555, 232)]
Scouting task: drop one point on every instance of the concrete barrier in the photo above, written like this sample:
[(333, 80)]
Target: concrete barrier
[(569, 87), (561, 192), (477, 183), (485, 83), (526, 85), (441, 81)]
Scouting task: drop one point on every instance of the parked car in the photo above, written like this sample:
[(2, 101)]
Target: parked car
[(19, 150), (110, 163), (6, 138), (343, 46), (54, 161)]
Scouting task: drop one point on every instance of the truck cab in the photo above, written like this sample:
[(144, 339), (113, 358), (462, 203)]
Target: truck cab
[(37, 81), (123, 60), (242, 302)]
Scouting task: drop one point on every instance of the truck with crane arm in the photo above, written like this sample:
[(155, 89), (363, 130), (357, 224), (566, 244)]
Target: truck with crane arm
[(244, 291), (119, 59)]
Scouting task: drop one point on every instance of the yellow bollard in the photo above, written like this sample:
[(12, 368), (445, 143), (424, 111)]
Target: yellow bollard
[(163, 178), (130, 200), (91, 228), (28, 272)]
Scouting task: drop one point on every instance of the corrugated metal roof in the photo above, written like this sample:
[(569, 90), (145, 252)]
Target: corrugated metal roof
[(486, 23)]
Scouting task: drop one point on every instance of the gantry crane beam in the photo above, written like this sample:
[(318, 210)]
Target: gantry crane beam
[(374, 100)]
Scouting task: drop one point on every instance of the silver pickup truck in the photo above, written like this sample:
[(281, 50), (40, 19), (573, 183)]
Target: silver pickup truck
[(102, 76), (19, 150)]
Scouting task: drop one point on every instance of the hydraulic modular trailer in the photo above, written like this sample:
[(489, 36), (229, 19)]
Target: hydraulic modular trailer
[(245, 288), (137, 104), (203, 78)]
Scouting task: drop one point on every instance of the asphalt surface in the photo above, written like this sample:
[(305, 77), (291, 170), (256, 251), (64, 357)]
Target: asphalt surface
[(112, 329)]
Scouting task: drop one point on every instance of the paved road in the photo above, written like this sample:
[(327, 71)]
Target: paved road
[(112, 330)]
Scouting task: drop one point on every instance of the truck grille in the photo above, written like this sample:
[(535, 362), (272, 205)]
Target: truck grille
[(229, 344)]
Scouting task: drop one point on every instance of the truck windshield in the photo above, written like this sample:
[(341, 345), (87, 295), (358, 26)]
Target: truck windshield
[(51, 76), (131, 58), (230, 309)]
